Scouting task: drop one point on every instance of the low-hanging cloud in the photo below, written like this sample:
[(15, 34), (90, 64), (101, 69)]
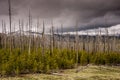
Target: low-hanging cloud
[(88, 14)]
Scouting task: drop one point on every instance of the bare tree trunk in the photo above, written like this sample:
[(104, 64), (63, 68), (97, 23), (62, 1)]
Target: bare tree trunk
[(68, 41), (22, 35), (20, 38), (61, 37), (107, 40), (5, 36), (104, 43), (37, 37), (50, 42), (2, 35), (99, 40), (53, 39), (43, 38), (83, 41), (114, 43), (57, 43), (29, 51), (10, 22), (76, 43), (13, 39), (88, 42)]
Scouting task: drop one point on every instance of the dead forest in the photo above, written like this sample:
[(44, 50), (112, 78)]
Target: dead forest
[(27, 51)]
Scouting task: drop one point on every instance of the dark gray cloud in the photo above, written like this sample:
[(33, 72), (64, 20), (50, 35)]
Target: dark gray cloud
[(88, 13), (3, 7)]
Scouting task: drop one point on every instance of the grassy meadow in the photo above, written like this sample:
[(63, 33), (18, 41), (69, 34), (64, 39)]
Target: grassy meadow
[(89, 72)]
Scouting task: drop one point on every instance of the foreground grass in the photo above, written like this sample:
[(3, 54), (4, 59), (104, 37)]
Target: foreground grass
[(83, 73)]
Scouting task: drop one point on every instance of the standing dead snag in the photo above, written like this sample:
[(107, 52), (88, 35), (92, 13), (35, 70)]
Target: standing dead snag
[(53, 39), (114, 43), (22, 29), (2, 36), (13, 38), (107, 36), (4, 32), (88, 50), (21, 36), (99, 40), (50, 42), (61, 37), (105, 40), (76, 44), (96, 41), (57, 43), (37, 37), (83, 43), (30, 26), (68, 41), (10, 22), (43, 38)]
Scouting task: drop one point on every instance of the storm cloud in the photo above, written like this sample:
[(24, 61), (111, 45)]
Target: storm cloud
[(88, 14)]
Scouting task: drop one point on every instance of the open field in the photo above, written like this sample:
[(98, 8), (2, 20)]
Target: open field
[(89, 72)]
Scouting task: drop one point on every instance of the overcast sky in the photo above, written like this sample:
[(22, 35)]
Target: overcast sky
[(88, 14)]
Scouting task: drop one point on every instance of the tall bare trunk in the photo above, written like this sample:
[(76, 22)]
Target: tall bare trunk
[(61, 37), (5, 35), (76, 44), (10, 22), (43, 38), (37, 36), (53, 39), (30, 25)]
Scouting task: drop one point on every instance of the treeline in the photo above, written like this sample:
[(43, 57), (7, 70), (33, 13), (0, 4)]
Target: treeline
[(34, 52)]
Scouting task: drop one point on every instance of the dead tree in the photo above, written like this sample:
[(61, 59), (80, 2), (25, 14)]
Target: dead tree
[(50, 42), (30, 26), (107, 36), (5, 35), (61, 37), (2, 35), (43, 39), (22, 35), (88, 49), (76, 44), (99, 40), (13, 38), (37, 37), (68, 41), (10, 23), (20, 38), (83, 43), (57, 44), (53, 38)]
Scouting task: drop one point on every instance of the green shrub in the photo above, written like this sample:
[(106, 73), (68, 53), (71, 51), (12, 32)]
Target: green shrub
[(19, 62)]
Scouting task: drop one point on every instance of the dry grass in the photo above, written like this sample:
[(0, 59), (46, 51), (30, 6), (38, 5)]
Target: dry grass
[(85, 73)]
